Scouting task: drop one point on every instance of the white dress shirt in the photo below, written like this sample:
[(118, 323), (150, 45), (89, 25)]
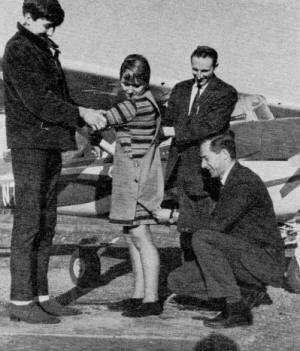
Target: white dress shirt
[(224, 177), (170, 131)]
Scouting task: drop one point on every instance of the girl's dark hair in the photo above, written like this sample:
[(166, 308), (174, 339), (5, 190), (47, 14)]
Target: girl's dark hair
[(138, 69), (48, 9)]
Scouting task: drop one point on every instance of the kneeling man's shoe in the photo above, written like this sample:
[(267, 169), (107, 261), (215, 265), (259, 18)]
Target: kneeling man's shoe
[(234, 315), (256, 298), (54, 308), (196, 304), (31, 313)]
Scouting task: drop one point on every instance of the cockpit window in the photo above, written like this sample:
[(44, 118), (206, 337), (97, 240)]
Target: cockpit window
[(251, 108)]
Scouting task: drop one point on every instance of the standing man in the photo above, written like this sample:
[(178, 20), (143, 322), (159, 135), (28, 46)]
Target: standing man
[(40, 122), (238, 249), (197, 108)]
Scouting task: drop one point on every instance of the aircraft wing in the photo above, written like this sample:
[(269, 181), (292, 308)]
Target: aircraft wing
[(264, 130), (96, 87), (277, 139), (262, 133)]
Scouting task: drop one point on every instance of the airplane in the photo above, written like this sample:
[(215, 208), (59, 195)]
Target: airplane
[(268, 142), (267, 137)]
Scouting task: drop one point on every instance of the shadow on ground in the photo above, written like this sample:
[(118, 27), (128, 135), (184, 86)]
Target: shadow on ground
[(216, 342), (170, 259)]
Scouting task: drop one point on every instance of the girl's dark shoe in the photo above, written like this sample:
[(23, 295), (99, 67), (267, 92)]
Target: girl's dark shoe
[(31, 313), (124, 305), (145, 309)]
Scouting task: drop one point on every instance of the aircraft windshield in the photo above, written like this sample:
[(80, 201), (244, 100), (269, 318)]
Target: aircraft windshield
[(251, 108)]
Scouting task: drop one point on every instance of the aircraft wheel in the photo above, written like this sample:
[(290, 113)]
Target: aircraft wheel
[(85, 267), (293, 275)]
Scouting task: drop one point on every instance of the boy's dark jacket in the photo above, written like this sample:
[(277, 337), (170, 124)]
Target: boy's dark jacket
[(39, 111)]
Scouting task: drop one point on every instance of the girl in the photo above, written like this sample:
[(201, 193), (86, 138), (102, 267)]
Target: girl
[(137, 182)]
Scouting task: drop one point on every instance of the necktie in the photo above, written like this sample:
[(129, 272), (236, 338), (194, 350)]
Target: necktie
[(195, 102)]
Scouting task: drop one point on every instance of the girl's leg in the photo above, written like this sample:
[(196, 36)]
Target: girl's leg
[(149, 259), (138, 275)]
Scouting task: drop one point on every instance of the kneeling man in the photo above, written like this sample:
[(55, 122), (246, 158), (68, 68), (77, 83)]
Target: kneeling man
[(238, 250)]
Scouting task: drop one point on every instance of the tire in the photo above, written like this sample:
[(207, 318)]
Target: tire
[(85, 267), (293, 276)]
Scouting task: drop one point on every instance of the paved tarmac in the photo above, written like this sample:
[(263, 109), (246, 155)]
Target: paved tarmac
[(275, 327)]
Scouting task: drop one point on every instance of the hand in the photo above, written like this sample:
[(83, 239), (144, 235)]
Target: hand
[(95, 119), (166, 215), (96, 151), (103, 112), (102, 116), (168, 131), (162, 215)]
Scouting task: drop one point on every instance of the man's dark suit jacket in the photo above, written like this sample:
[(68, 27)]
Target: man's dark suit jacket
[(245, 210), (216, 104)]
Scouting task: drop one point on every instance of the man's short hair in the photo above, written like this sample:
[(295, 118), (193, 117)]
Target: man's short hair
[(48, 9), (223, 141), (206, 51)]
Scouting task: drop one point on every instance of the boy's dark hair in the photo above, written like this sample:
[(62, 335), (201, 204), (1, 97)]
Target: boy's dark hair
[(223, 141), (48, 9), (138, 69), (204, 51)]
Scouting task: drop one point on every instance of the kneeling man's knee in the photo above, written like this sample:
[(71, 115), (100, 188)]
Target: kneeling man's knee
[(200, 237)]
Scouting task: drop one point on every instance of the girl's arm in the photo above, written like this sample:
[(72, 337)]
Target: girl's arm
[(121, 113)]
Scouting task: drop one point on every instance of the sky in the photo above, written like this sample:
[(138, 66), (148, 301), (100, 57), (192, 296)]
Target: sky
[(258, 41)]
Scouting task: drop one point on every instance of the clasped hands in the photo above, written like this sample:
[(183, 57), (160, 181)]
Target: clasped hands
[(166, 215), (95, 119)]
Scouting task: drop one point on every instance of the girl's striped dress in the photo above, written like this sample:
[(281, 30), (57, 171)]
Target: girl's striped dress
[(135, 124)]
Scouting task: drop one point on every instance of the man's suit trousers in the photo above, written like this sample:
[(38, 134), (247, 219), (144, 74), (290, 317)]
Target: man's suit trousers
[(223, 263)]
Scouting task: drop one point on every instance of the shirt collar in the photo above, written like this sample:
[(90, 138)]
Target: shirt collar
[(226, 173), (195, 86), (42, 41)]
